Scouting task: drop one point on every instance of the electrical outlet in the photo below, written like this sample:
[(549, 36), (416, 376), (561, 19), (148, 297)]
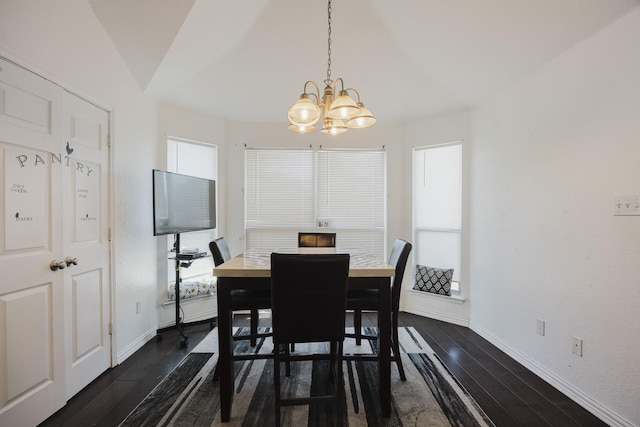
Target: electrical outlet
[(626, 205), (540, 327), (577, 346)]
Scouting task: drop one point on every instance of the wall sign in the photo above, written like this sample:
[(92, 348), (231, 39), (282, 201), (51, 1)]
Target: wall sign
[(87, 187), (26, 209)]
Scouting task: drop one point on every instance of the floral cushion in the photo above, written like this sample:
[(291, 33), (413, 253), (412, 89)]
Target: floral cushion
[(192, 289)]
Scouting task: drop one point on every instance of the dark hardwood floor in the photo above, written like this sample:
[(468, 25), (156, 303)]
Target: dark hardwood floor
[(509, 394)]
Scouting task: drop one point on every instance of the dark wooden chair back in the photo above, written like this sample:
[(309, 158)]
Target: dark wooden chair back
[(308, 297), (316, 240), (398, 259), (220, 251)]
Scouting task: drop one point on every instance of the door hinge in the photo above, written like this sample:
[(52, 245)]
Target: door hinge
[(110, 328), (109, 234)]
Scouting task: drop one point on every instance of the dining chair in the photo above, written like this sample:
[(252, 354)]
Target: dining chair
[(308, 303), (244, 299), (367, 299), (316, 240)]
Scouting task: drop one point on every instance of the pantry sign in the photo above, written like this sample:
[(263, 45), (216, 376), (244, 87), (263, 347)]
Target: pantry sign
[(28, 192)]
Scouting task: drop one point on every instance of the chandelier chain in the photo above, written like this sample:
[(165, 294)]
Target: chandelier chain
[(329, 42)]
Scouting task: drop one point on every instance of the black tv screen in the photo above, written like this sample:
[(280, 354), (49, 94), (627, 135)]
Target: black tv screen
[(182, 203)]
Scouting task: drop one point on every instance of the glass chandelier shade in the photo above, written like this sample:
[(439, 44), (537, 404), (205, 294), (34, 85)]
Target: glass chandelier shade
[(362, 120), (301, 129), (304, 112), (339, 113), (343, 108), (333, 126)]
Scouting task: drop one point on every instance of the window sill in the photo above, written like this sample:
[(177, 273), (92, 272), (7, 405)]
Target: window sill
[(454, 299)]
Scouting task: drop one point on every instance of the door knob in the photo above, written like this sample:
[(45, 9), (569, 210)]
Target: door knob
[(70, 261), (57, 265)]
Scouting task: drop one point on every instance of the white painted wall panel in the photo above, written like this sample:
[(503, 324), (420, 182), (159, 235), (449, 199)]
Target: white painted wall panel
[(548, 156)]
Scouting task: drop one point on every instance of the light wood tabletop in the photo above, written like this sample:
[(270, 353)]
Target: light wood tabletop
[(258, 264)]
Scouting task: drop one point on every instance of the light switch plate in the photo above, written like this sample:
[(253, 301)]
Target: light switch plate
[(626, 205)]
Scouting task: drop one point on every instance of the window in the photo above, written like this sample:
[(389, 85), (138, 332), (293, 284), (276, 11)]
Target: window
[(437, 208), (287, 191), (201, 160)]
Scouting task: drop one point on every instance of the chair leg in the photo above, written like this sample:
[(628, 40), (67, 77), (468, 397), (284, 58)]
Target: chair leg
[(287, 360), (333, 351), (276, 382), (395, 343), (339, 383), (216, 374), (254, 325), (357, 325)]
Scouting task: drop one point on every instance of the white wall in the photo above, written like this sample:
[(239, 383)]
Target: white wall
[(548, 155), (63, 40)]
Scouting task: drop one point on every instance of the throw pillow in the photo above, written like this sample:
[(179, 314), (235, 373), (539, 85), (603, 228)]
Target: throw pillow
[(434, 280)]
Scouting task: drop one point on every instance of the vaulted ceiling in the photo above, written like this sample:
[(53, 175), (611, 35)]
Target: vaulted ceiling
[(409, 59)]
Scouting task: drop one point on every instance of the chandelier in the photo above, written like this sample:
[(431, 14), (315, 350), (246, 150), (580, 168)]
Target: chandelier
[(338, 114)]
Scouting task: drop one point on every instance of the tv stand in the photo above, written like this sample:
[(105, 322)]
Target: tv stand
[(182, 261)]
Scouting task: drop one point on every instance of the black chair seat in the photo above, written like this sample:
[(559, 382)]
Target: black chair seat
[(243, 299), (362, 299)]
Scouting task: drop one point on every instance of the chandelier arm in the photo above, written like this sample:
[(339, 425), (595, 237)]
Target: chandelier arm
[(317, 94), (353, 89)]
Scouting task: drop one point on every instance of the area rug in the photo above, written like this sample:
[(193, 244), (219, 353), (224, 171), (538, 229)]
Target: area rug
[(431, 396)]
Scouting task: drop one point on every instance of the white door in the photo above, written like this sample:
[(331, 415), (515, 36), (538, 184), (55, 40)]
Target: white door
[(32, 368), (51, 313), (86, 242)]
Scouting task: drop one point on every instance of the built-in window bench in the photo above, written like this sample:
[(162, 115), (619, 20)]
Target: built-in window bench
[(197, 302)]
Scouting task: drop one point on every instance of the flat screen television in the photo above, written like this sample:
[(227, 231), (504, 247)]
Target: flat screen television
[(182, 203)]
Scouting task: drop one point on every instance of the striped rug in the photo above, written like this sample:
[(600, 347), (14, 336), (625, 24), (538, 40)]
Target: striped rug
[(431, 396)]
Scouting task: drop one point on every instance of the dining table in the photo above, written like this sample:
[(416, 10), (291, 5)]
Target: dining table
[(365, 272)]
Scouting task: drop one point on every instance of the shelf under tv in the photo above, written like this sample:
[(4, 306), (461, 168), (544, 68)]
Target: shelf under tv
[(189, 256)]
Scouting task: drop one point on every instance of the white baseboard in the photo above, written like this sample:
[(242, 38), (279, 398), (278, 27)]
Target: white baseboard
[(432, 314), (193, 309), (190, 319), (572, 392), (135, 346)]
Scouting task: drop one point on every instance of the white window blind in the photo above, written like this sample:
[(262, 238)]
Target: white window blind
[(279, 197), (437, 200), (287, 191), (351, 197)]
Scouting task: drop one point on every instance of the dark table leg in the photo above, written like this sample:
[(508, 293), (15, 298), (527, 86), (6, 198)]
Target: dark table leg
[(225, 340), (384, 345)]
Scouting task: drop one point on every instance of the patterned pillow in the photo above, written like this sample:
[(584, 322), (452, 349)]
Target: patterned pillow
[(434, 280)]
